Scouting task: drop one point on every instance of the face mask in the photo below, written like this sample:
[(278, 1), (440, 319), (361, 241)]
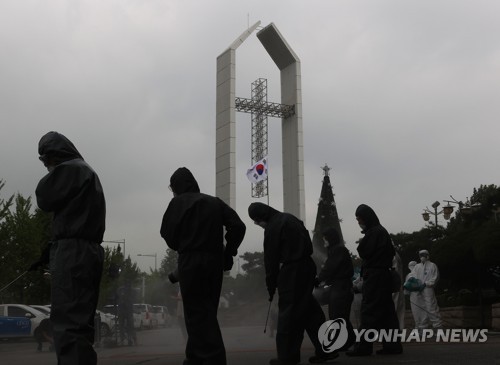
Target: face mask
[(423, 259), (363, 227)]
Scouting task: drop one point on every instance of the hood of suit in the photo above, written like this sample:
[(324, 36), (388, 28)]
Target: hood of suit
[(183, 181), (368, 216), (261, 212), (57, 147)]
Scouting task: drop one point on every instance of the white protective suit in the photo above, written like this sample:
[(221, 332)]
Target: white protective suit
[(427, 272), (416, 301)]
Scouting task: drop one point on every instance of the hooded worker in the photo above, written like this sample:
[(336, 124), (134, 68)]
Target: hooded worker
[(427, 272), (337, 272), (377, 308), (73, 193), (193, 225), (291, 270)]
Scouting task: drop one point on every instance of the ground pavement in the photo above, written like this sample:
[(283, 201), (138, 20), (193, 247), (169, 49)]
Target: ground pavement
[(250, 346)]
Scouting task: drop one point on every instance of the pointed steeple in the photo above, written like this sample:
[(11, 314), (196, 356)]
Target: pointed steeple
[(327, 217)]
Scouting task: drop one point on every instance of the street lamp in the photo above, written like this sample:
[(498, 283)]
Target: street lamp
[(118, 241), (465, 208), (426, 214), (150, 255)]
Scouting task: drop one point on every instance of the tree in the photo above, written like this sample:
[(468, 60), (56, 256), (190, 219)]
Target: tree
[(24, 232), (168, 263), (326, 217), (116, 272), (251, 285)]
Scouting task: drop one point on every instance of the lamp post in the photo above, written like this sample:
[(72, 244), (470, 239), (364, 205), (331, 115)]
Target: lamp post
[(465, 208), (149, 255), (119, 242), (426, 214)]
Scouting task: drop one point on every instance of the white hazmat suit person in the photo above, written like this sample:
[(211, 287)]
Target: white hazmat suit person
[(417, 303), (427, 272)]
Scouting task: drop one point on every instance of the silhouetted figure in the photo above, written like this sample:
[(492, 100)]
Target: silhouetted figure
[(126, 314), (193, 225), (44, 334), (72, 192), (377, 307), (291, 270), (337, 272)]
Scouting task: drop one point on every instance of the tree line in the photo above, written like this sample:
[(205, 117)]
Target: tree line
[(466, 250)]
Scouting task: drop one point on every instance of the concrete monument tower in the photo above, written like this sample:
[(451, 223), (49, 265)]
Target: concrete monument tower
[(289, 110)]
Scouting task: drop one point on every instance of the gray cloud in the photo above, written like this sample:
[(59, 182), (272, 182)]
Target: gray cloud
[(400, 99)]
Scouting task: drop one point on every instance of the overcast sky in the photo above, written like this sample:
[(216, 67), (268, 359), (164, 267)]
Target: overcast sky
[(400, 98)]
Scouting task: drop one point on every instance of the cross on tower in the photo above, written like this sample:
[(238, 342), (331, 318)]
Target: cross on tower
[(326, 170)]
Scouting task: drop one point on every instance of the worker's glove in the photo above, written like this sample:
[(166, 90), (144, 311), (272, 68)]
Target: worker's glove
[(173, 277), (228, 261), (34, 266), (271, 292), (44, 258)]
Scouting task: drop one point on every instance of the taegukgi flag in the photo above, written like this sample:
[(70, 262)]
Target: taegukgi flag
[(258, 172)]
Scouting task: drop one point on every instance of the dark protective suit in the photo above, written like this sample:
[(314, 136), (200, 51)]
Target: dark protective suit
[(337, 272), (193, 225), (73, 193), (126, 314), (377, 252), (290, 269)]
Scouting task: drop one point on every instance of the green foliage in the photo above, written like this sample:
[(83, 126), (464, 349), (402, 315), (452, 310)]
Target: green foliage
[(254, 263), (464, 250), (249, 286), (24, 232), (168, 264), (116, 272)]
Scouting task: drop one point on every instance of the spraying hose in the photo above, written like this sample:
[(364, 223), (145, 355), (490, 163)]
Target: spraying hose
[(268, 311), (13, 281)]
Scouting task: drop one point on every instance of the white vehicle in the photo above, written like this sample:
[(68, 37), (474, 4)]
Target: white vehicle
[(147, 318), (108, 323), (45, 309), (23, 311), (112, 310), (162, 315)]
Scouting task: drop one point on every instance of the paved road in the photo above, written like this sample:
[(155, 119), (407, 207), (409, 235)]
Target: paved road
[(250, 346)]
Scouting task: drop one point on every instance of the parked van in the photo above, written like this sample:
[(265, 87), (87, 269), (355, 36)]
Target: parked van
[(147, 318), (162, 315), (112, 309)]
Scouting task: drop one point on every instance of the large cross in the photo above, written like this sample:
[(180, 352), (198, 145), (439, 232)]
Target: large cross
[(261, 109), (290, 110)]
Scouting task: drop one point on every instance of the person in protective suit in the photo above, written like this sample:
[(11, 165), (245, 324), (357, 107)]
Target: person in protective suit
[(73, 193), (290, 269), (126, 314), (193, 225), (427, 272), (416, 300), (377, 308), (337, 272)]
